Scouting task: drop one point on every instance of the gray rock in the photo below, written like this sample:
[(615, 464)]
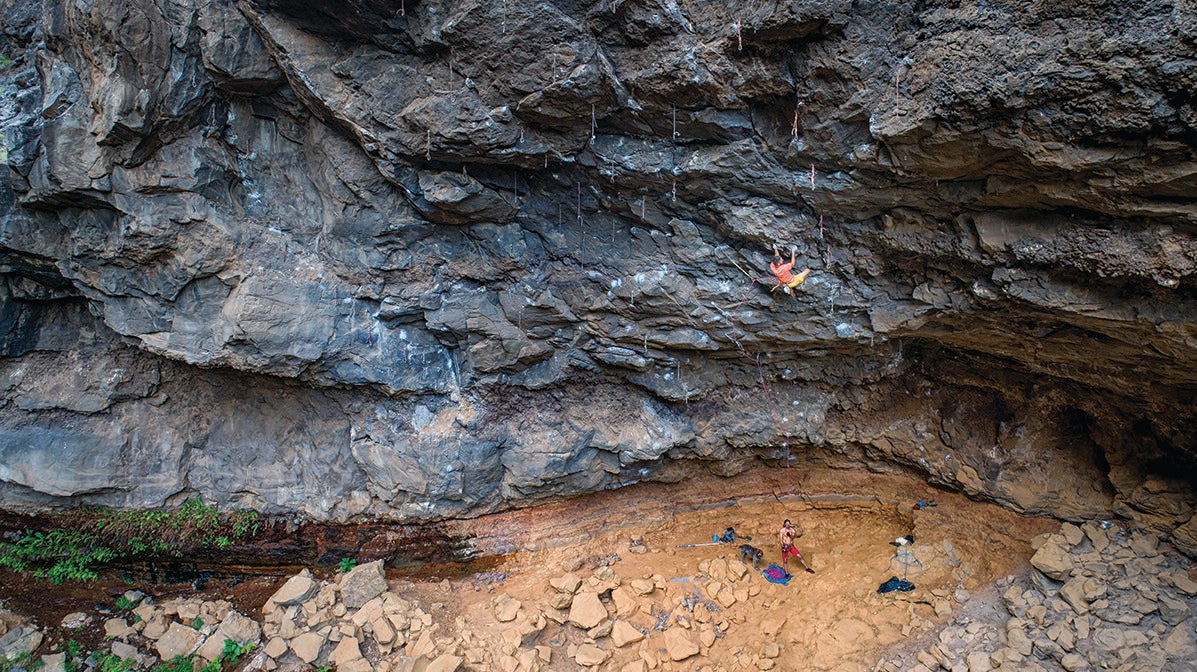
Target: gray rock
[(308, 646), (444, 663), (978, 661), (53, 662), (1053, 561), (1072, 534), (456, 198), (362, 584), (1076, 593), (586, 611), (125, 651), (1020, 642), (1173, 612), (1073, 662), (272, 248), (234, 627), (75, 620), (179, 640), (21, 640), (297, 589)]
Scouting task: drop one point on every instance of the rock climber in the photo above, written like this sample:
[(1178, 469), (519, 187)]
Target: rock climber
[(787, 536), (783, 272)]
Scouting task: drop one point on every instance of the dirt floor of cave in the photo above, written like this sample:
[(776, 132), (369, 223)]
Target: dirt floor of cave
[(835, 618)]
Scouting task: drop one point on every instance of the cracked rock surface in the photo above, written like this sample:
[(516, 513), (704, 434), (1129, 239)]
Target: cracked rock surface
[(435, 258)]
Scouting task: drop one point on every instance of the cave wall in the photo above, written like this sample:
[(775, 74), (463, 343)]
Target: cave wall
[(416, 259)]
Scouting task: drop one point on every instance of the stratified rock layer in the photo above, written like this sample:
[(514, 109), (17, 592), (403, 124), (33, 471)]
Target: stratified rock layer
[(432, 258)]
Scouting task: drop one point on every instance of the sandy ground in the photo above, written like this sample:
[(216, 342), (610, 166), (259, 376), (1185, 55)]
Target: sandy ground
[(833, 619)]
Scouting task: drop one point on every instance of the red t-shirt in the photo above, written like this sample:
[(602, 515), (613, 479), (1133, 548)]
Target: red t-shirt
[(782, 271)]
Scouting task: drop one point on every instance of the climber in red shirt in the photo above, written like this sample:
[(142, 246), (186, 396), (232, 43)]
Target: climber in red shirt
[(782, 271)]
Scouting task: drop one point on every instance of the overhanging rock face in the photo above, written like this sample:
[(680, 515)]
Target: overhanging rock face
[(422, 259)]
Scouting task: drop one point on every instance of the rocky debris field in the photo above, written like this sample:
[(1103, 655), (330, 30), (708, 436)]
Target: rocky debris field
[(1097, 598), (992, 591), (476, 256)]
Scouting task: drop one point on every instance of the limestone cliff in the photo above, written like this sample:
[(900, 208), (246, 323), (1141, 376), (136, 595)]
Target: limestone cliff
[(410, 259)]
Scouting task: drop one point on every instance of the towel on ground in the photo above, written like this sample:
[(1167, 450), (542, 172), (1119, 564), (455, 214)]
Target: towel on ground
[(775, 574), (896, 584)]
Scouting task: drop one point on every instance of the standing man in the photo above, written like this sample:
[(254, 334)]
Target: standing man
[(787, 536)]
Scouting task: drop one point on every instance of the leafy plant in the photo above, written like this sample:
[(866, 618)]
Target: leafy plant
[(71, 552), (176, 664), (233, 651), (245, 523), (346, 564), (110, 662), (197, 623), (86, 538), (124, 604), (74, 654), (4, 61), (23, 661)]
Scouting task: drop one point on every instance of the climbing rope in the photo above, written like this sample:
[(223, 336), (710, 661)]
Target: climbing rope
[(768, 391)]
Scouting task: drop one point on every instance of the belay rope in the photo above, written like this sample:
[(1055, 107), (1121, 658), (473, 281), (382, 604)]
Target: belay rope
[(771, 400)]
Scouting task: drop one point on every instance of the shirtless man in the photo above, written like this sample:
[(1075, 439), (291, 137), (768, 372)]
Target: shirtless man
[(787, 536), (783, 271)]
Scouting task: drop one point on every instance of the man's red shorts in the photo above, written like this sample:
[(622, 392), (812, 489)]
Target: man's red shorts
[(788, 551)]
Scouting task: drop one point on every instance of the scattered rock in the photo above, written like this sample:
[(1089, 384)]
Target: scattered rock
[(642, 586), (444, 663), (117, 628), (75, 620), (505, 607), (624, 633), (275, 648), (179, 640), (568, 583), (20, 641), (362, 584), (587, 610), (346, 654), (589, 655), (1053, 560), (678, 646), (125, 651), (53, 662), (307, 646), (297, 589)]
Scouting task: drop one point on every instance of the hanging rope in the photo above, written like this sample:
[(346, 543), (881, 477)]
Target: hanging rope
[(768, 391)]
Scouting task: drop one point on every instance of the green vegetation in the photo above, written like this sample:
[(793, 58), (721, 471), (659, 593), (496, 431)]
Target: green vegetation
[(74, 656), (346, 564), (176, 664), (233, 651), (87, 538), (4, 61), (124, 604), (73, 553), (22, 662), (108, 662)]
